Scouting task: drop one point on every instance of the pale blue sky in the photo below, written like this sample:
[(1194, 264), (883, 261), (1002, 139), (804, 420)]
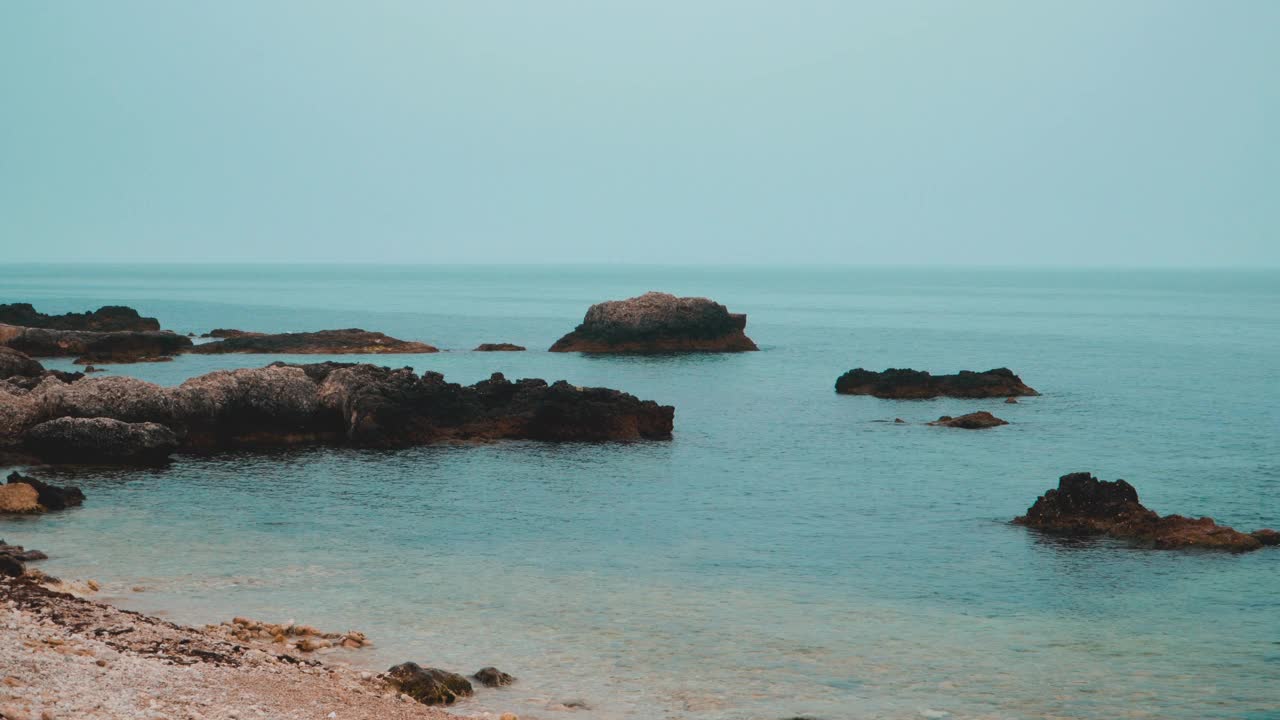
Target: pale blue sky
[(1024, 133)]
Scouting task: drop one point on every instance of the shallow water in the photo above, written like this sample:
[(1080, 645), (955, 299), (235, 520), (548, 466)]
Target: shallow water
[(789, 552)]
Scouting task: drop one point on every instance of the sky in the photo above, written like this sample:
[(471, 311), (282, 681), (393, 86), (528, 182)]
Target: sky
[(989, 132)]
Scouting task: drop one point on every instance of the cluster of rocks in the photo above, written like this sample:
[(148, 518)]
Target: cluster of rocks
[(1084, 505), (433, 686), (658, 323), (290, 634), (22, 494), (906, 384), (14, 559)]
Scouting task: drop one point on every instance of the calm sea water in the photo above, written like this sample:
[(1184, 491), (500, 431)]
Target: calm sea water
[(789, 552)]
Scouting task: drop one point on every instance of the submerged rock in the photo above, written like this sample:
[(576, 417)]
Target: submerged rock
[(52, 497), (905, 384), (1084, 505), (122, 346), (498, 347), (429, 686), (352, 341), (493, 677), (973, 421), (658, 323), (109, 318), (100, 439), (14, 363)]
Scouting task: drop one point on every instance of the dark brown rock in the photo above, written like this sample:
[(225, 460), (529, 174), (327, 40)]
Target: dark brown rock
[(122, 346), (658, 323), (88, 360), (14, 363), (228, 333), (493, 677), (429, 686), (110, 318), (52, 497), (1084, 505), (11, 566), (1266, 536), (901, 384), (353, 341), (92, 440), (973, 421), (498, 347)]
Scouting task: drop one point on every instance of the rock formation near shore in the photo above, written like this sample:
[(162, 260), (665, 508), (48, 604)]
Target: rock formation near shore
[(122, 419), (904, 384), (1084, 505), (228, 333), (493, 677), (98, 347), (429, 686), (499, 347), (658, 323), (50, 497), (352, 341), (973, 421), (14, 363), (110, 318)]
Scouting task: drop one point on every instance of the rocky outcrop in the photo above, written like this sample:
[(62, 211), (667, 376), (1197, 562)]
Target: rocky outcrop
[(228, 333), (19, 498), (498, 347), (50, 497), (658, 323), (903, 384), (1084, 505), (353, 341), (110, 318), (100, 439), (493, 677), (99, 347), (973, 421), (429, 686), (14, 363)]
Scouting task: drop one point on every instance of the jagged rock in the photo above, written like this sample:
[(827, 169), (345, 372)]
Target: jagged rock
[(109, 318), (498, 347), (429, 686), (122, 346), (100, 439), (901, 384), (973, 421), (1084, 505), (19, 498), (51, 497), (353, 341), (658, 323), (14, 363), (493, 677)]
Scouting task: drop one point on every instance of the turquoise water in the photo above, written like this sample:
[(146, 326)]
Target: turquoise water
[(789, 552)]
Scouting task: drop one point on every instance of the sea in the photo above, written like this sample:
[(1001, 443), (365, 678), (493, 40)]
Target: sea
[(791, 552)]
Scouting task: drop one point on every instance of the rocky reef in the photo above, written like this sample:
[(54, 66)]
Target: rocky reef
[(905, 384), (93, 346), (352, 341), (658, 323), (499, 347), (1084, 505), (122, 419), (979, 420), (109, 318)]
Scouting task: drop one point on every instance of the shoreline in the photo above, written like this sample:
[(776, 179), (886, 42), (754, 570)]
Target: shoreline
[(72, 657)]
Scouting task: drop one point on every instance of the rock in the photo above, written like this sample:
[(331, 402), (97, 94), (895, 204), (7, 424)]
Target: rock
[(14, 363), (121, 346), (19, 498), (1084, 505), (429, 686), (353, 341), (1266, 536), (109, 318), (10, 566), (498, 347), (493, 677), (51, 497), (101, 439), (973, 421), (88, 369), (21, 553), (1011, 401), (899, 421), (227, 333), (88, 360), (119, 397), (896, 384), (658, 323)]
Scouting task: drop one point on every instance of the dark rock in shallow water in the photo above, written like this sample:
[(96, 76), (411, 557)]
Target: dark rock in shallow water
[(902, 384), (353, 341), (14, 363), (21, 554), (1084, 505), (658, 323), (122, 346), (493, 677), (11, 566), (973, 421), (100, 439), (88, 360), (51, 497), (228, 333), (110, 318), (429, 686), (498, 347)]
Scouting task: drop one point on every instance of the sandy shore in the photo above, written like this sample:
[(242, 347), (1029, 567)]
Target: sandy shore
[(62, 656)]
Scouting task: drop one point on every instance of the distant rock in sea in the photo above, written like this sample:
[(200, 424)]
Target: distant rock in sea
[(109, 318), (98, 347), (658, 323), (228, 333), (1084, 505), (905, 384), (493, 677), (429, 686), (498, 347), (973, 421), (352, 341)]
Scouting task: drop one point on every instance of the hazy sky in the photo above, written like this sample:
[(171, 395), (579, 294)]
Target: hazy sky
[(943, 132)]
